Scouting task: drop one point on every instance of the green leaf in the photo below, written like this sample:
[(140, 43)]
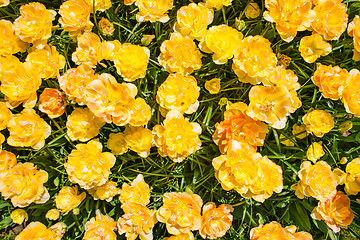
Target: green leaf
[(300, 216)]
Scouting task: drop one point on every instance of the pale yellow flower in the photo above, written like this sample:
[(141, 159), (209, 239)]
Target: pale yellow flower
[(105, 192), (27, 129), (299, 131), (34, 23), (100, 227), (74, 82), (10, 43), (8, 63), (316, 181), (216, 220), (138, 220), (117, 144), (109, 49), (254, 59), (52, 102), (7, 161), (318, 122), (351, 93), (286, 140), (19, 85), (4, 3), (140, 113), (182, 236), (138, 192), (24, 184), (100, 5), (331, 19), (217, 4), (181, 212), (252, 10), (192, 20), (75, 17), (223, 41), (19, 216), (139, 140), (53, 214), (315, 151), (106, 27), (89, 50), (274, 230), (110, 100), (289, 16), (335, 211), (279, 76), (59, 229), (82, 125), (251, 175), (213, 86), (177, 137), (88, 166), (36, 231), (131, 61), (68, 199), (352, 177), (354, 31), (312, 47), (153, 10), (5, 115), (180, 54), (179, 93)]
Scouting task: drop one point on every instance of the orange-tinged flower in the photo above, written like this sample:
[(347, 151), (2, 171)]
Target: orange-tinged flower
[(252, 10), (4, 3), (299, 131), (74, 82), (82, 125), (7, 161), (272, 104), (331, 19), (10, 43), (177, 138), (99, 5), (8, 63), (153, 10), (109, 49), (117, 144), (182, 236), (106, 27), (52, 102), (213, 86), (52, 214), (279, 76), (352, 177), (27, 129), (138, 192), (354, 31), (274, 230), (316, 181), (217, 4), (110, 100), (2, 140), (315, 151), (105, 192), (5, 115), (88, 166), (89, 50), (24, 184), (47, 60), (192, 20), (68, 199), (216, 220), (181, 212), (330, 80), (34, 23), (253, 59), (335, 211), (239, 130), (351, 93), (318, 122), (131, 61), (138, 220), (129, 2), (289, 16), (36, 231), (19, 216), (19, 85), (75, 17), (140, 112), (312, 47), (139, 140), (223, 41), (179, 93), (100, 227), (251, 175), (180, 54)]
